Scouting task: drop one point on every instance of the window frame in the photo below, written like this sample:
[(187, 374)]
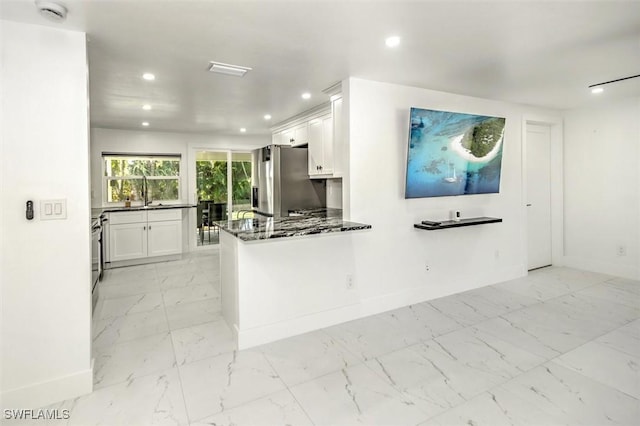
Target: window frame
[(147, 156)]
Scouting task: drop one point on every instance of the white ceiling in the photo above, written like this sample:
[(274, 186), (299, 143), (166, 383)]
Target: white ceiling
[(542, 53)]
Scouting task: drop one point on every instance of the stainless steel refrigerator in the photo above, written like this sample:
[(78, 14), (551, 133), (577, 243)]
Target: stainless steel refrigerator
[(281, 181)]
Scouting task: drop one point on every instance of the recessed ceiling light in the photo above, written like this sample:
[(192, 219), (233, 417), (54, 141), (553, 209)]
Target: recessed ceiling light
[(148, 76), (306, 95), (228, 69), (393, 41), (267, 116), (145, 123), (242, 130), (146, 107), (596, 90)]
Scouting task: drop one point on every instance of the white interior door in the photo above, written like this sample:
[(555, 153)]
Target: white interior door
[(538, 195)]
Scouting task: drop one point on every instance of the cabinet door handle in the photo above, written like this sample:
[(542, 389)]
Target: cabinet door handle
[(144, 228), (149, 227)]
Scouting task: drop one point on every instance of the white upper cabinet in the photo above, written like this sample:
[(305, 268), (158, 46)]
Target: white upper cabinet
[(300, 135), (321, 147), (337, 150), (321, 129), (294, 136), (287, 137), (327, 145), (315, 147)]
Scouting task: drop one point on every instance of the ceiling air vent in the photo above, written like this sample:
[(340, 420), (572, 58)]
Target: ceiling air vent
[(235, 70), (53, 11)]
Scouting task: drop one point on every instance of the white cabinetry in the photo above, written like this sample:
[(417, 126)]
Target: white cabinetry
[(127, 241), (288, 137), (143, 234), (164, 238), (300, 135), (293, 136), (337, 151), (321, 147), (322, 129)]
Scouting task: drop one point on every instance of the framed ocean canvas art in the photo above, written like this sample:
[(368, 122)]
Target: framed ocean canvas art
[(451, 153)]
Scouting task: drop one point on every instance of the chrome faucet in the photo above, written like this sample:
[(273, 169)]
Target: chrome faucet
[(145, 190)]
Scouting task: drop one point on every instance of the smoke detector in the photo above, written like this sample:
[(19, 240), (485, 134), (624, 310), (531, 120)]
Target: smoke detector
[(53, 11)]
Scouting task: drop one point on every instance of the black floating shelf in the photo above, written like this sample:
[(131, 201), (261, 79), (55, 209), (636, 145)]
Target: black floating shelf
[(472, 221)]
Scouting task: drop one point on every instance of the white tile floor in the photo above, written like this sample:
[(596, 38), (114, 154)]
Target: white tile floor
[(560, 346)]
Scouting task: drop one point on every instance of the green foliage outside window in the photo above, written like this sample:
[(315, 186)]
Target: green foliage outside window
[(212, 181), (124, 178)]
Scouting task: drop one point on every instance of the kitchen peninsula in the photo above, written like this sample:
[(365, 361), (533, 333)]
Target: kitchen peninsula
[(261, 300)]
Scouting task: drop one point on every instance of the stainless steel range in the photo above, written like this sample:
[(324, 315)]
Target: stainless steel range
[(97, 258)]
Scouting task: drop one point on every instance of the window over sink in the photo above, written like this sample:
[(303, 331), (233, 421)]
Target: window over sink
[(124, 177)]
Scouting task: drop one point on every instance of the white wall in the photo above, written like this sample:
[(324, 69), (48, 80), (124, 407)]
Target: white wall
[(602, 187), (45, 266), (334, 193), (391, 258), (2, 244)]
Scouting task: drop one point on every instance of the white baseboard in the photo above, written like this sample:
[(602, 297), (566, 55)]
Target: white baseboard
[(506, 274), (270, 333), (603, 267), (46, 393), (256, 336), (142, 261), (412, 296)]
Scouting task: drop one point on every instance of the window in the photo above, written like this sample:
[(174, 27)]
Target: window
[(123, 177)]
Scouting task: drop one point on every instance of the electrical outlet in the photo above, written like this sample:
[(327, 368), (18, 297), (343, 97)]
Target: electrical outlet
[(350, 282), (621, 250)]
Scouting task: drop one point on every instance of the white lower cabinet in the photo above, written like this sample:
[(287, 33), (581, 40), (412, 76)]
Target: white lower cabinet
[(164, 238), (127, 241), (144, 234)]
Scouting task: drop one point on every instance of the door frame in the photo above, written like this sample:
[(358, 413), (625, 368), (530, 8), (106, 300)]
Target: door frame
[(193, 198), (555, 125), (192, 187)]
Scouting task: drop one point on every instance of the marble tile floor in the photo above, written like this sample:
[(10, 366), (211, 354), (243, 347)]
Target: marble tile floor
[(558, 347)]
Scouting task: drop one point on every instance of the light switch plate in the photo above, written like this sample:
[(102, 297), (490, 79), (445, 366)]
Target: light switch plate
[(53, 209)]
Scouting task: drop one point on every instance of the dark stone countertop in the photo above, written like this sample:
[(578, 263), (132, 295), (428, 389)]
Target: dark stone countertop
[(317, 212), (307, 222)]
